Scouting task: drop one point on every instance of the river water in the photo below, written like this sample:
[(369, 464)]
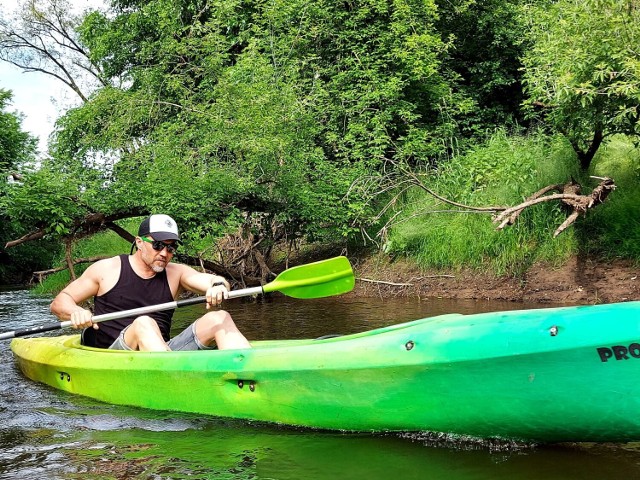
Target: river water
[(45, 433)]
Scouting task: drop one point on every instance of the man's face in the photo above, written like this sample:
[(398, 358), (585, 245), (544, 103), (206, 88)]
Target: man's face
[(156, 254)]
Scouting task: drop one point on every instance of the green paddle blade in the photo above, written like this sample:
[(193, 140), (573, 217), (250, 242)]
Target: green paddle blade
[(315, 280)]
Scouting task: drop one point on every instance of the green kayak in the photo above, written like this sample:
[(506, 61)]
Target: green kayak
[(544, 375)]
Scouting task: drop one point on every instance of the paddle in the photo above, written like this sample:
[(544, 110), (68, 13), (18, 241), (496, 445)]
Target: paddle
[(314, 280)]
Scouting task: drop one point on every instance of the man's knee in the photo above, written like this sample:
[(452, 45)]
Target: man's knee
[(219, 317), (144, 334), (144, 324), (216, 319), (219, 326)]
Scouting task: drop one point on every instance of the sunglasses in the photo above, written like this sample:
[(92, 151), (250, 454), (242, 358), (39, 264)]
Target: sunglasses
[(158, 245)]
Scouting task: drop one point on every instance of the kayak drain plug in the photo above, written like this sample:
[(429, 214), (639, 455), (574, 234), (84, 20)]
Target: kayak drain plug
[(553, 331), (409, 345)]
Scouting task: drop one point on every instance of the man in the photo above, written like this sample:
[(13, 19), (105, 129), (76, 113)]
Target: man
[(145, 278)]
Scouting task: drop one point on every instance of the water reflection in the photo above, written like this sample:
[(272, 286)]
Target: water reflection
[(46, 433), (233, 450)]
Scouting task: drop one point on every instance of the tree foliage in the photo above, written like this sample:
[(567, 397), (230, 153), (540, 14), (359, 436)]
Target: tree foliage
[(17, 152), (249, 117), (582, 71), (17, 147), (486, 39), (254, 119)]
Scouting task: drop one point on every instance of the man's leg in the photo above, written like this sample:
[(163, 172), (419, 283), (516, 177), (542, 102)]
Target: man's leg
[(144, 335), (218, 326)]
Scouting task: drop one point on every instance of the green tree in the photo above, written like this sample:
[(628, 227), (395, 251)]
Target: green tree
[(487, 44), (16, 146), (257, 115), (17, 154), (582, 73)]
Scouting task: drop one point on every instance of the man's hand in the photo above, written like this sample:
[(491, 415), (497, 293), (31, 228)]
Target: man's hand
[(81, 318), (215, 294)]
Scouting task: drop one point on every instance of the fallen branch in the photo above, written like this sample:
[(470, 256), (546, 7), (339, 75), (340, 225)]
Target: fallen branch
[(34, 235), (43, 273), (569, 194), (85, 226), (433, 276), (570, 197), (385, 283)]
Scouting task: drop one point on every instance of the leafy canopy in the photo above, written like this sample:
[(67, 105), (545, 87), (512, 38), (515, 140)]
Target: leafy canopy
[(583, 68), (251, 113)]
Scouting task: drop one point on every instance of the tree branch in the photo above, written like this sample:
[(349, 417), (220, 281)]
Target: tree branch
[(579, 204), (34, 235), (43, 273), (569, 195), (87, 225)]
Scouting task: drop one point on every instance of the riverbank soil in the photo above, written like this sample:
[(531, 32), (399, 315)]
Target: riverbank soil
[(580, 281)]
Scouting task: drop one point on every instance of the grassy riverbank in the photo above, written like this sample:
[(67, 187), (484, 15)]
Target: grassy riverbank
[(505, 171), (432, 252)]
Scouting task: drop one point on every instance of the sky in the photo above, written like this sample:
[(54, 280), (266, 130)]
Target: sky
[(40, 98), (33, 97)]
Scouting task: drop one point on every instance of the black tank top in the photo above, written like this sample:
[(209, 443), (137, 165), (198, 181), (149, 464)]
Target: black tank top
[(129, 292)]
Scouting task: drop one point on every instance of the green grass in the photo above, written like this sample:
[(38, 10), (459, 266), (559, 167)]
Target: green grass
[(613, 229), (505, 171)]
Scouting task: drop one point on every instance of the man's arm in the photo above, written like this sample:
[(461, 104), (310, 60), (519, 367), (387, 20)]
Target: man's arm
[(215, 287), (66, 304)]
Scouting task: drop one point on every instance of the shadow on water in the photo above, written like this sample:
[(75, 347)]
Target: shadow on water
[(46, 433)]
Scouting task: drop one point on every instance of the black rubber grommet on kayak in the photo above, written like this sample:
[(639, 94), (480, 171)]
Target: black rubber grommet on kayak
[(331, 335)]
